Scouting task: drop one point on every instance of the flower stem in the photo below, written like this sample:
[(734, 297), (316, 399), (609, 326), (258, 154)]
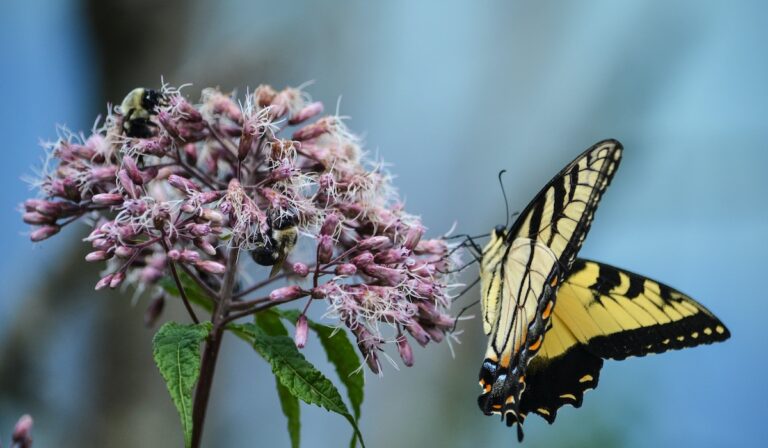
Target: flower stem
[(179, 286), (211, 349)]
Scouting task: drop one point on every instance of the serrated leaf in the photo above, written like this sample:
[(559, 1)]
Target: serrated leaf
[(290, 406), (342, 354), (270, 322), (271, 325), (195, 294), (176, 350), (298, 375)]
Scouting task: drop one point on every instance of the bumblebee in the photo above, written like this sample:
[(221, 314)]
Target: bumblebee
[(137, 108), (272, 247)]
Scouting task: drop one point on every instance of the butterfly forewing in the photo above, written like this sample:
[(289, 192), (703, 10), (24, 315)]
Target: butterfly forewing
[(520, 276), (562, 212)]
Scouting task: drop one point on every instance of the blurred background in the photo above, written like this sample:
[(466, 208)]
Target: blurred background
[(449, 94)]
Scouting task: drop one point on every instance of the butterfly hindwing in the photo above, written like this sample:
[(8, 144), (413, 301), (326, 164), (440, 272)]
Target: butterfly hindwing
[(522, 268), (605, 312)]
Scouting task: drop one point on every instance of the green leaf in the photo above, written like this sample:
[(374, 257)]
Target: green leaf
[(176, 349), (299, 376), (195, 293), (342, 354), (292, 412), (270, 323)]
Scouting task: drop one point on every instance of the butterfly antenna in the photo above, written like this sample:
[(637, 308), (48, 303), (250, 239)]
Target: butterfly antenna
[(504, 193)]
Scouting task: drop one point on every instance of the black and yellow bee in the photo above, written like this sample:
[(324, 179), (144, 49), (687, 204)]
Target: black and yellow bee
[(272, 247), (552, 318), (137, 109)]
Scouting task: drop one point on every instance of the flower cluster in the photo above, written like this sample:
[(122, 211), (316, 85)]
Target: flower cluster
[(254, 176)]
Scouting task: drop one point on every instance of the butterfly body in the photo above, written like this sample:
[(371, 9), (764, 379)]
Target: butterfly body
[(551, 318)]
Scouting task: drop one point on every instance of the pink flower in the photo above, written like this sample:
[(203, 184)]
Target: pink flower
[(224, 175)]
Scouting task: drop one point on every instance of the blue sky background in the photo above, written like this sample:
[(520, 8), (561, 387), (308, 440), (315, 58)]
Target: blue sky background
[(450, 95)]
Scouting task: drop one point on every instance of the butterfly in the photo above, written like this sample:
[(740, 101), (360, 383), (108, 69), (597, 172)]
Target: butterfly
[(552, 318)]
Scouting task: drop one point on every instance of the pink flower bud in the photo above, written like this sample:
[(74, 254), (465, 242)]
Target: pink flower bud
[(391, 256), (104, 282), (36, 218), (246, 141), (168, 123), (66, 188), (22, 432), (154, 146), (436, 334), (101, 173), (413, 237), (135, 206), (174, 254), (133, 170), (154, 310), (102, 243), (422, 289), (205, 246), (300, 337), (346, 269), (374, 243), (306, 113), (405, 350), (199, 230), (98, 255), (313, 130), (324, 249), (30, 205), (363, 259), (207, 197), (187, 110), (189, 256), (117, 278), (330, 224), (211, 267), (434, 247), (128, 185), (421, 267), (212, 215), (263, 95), (373, 362), (282, 172), (389, 276), (107, 199), (286, 293), (300, 269), (124, 251), (149, 174), (44, 232), (49, 208), (418, 333), (182, 183)]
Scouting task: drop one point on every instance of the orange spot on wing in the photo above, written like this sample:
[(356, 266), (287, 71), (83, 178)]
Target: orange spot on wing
[(535, 346), (548, 310)]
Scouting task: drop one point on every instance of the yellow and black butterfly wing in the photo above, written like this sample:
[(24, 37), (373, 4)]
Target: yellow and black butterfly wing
[(608, 313), (523, 266)]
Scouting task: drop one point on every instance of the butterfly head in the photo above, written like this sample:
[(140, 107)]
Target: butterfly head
[(499, 231)]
